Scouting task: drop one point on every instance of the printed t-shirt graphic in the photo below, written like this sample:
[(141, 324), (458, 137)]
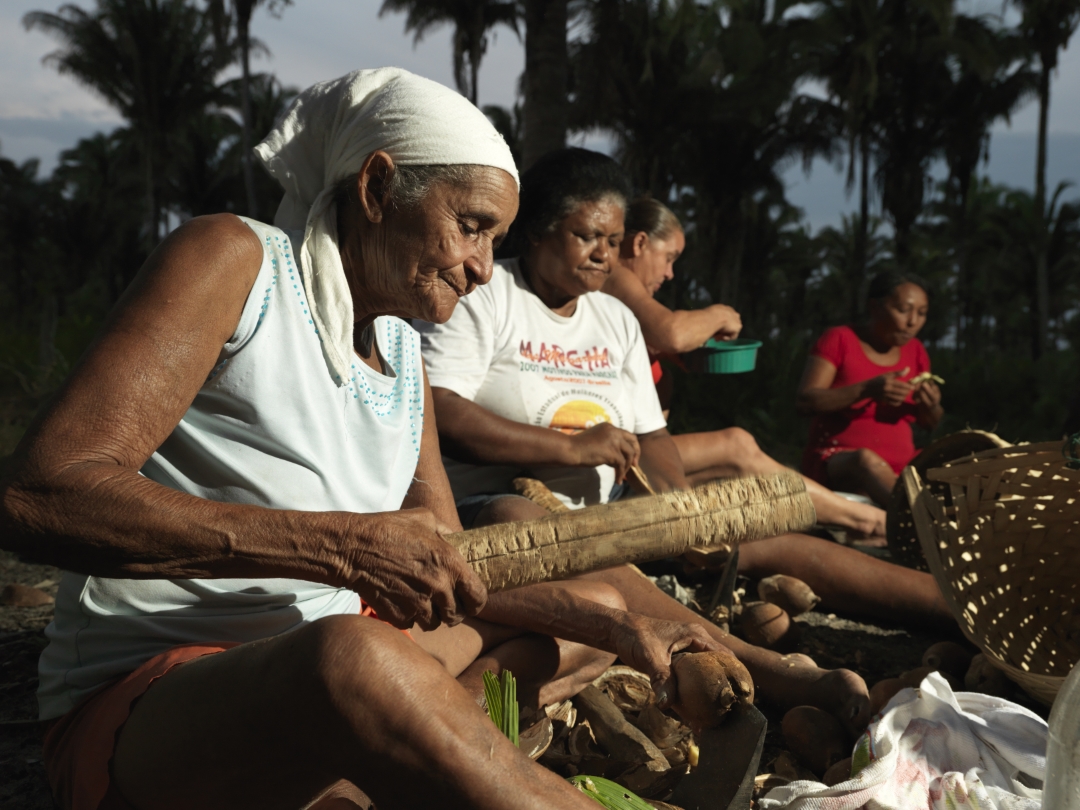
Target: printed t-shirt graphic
[(560, 375), (507, 352)]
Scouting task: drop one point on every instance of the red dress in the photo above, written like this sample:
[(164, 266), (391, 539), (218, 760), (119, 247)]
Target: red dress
[(885, 429)]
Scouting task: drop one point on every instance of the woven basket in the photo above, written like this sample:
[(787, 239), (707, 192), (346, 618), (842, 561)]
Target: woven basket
[(904, 543), (1005, 550)]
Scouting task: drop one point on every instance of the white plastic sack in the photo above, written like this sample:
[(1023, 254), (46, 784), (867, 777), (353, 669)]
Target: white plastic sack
[(932, 749)]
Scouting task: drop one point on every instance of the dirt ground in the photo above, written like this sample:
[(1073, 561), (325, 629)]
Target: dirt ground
[(873, 651), (22, 638)]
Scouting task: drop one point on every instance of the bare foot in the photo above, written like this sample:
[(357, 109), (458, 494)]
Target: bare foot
[(867, 521)]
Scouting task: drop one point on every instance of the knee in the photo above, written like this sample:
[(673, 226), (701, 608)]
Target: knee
[(743, 442), (606, 595), (507, 510), (867, 460), (343, 654)]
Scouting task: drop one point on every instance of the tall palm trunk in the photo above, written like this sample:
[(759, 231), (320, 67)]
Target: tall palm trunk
[(477, 46), (153, 214), (862, 233), (474, 72), (546, 112), (47, 337), (1042, 280), (244, 9)]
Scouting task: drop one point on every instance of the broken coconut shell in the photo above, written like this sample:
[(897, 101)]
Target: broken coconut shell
[(766, 625), (709, 685), (664, 731), (628, 689), (949, 658), (791, 595), (815, 737), (536, 739)]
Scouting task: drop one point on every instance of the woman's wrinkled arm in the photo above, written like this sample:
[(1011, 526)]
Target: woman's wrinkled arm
[(430, 487), (73, 496), (671, 331), (471, 433)]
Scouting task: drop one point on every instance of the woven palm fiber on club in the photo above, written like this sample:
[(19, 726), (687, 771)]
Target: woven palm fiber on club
[(1006, 552), (564, 544), (900, 531)]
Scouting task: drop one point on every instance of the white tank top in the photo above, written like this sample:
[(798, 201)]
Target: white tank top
[(268, 427)]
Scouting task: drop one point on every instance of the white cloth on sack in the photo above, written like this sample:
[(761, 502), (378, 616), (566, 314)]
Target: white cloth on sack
[(326, 135), (933, 749)]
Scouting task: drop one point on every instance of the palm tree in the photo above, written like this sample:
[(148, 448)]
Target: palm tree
[(98, 178), (1047, 25), (509, 124), (472, 19), (754, 125), (643, 73), (908, 118), (852, 35), (243, 9), (546, 81), (990, 78), (155, 61), (268, 100), (701, 101)]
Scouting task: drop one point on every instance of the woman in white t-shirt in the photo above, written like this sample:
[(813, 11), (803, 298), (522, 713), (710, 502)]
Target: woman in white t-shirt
[(540, 372)]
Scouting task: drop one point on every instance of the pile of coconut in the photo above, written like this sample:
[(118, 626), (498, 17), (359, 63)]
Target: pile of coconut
[(615, 729), (817, 745)]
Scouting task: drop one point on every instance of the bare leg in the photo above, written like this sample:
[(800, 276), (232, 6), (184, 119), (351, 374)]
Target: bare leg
[(841, 692), (850, 581), (547, 670), (734, 452), (275, 723), (862, 471)]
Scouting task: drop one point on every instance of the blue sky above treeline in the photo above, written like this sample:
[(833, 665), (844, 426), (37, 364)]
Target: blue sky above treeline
[(42, 113)]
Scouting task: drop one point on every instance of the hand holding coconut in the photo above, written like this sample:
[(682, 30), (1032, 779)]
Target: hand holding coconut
[(648, 644), (710, 684)]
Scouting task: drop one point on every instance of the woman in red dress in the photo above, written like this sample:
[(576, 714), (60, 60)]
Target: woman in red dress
[(857, 386)]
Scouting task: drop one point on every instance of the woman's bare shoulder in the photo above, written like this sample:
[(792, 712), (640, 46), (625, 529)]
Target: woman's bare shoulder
[(218, 237), (219, 254), (622, 284)]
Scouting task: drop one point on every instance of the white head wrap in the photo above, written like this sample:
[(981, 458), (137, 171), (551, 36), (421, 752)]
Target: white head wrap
[(325, 137)]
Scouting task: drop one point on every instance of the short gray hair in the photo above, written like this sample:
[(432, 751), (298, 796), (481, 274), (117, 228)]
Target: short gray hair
[(409, 185)]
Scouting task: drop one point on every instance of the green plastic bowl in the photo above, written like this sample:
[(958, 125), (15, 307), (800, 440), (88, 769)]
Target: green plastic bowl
[(732, 356)]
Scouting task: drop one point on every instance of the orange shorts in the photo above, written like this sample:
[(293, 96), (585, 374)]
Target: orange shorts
[(78, 746)]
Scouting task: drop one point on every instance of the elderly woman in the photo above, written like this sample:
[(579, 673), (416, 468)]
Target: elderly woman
[(654, 240), (865, 385), (244, 470), (541, 372)]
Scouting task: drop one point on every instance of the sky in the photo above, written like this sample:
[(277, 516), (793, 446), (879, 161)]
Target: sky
[(42, 112)]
